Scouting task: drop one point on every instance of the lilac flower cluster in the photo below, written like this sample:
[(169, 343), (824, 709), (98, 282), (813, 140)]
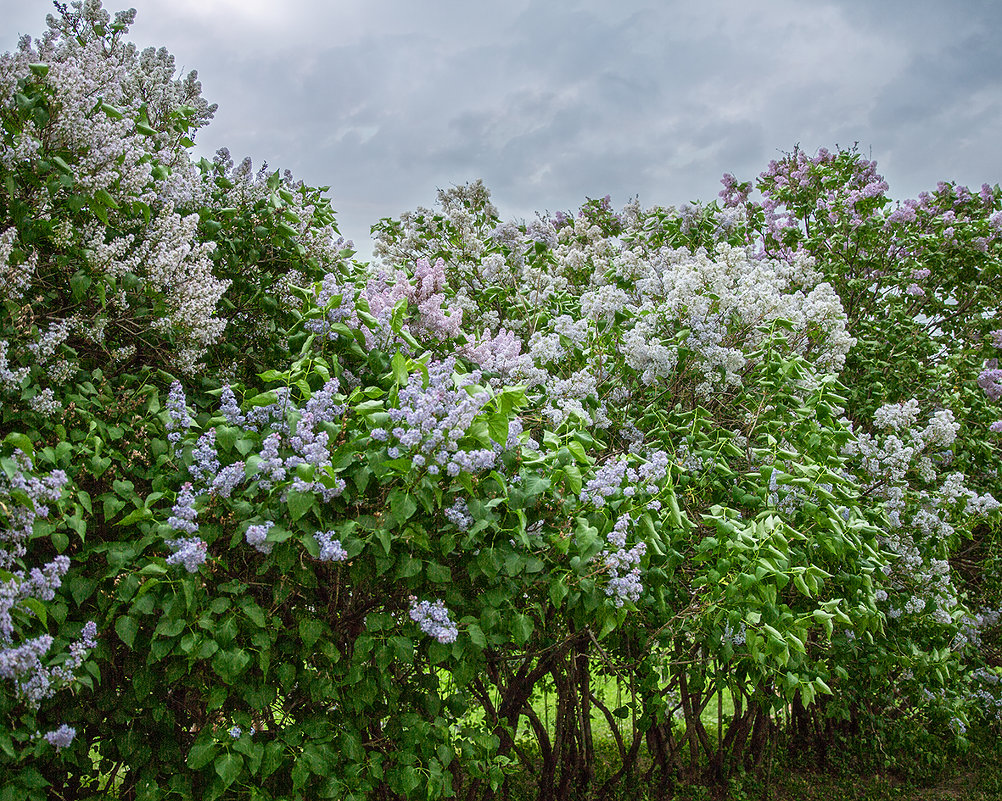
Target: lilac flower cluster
[(230, 408), (205, 464), (178, 419), (256, 536), (41, 583), (459, 515), (188, 551), (331, 549), (271, 467), (986, 692), (33, 680), (24, 496), (922, 513), (183, 512), (496, 353), (431, 315), (20, 517), (433, 619), (608, 480), (62, 737), (735, 636), (312, 445), (281, 424), (270, 415), (430, 420), (622, 564), (990, 380), (228, 479)]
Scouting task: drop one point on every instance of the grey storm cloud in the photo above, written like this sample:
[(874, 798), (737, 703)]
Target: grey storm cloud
[(549, 103)]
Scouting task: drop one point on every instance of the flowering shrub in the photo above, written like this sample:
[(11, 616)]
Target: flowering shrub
[(739, 450)]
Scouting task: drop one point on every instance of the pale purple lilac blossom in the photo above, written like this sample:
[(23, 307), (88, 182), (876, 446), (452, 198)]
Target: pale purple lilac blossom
[(433, 619), (331, 550), (256, 536), (188, 551)]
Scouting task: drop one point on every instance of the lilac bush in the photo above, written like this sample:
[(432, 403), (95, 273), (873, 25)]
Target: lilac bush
[(734, 448)]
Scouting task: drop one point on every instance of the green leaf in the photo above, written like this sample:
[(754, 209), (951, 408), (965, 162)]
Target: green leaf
[(558, 591), (439, 574), (521, 629), (310, 631), (37, 607), (399, 367), (476, 635), (127, 628), (299, 503), (105, 199), (402, 506), (228, 766), (21, 442), (230, 664), (201, 754), (135, 516), (498, 428)]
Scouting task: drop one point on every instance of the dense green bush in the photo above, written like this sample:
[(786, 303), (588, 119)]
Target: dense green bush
[(350, 530)]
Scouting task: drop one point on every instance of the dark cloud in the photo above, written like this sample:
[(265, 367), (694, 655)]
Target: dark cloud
[(387, 100)]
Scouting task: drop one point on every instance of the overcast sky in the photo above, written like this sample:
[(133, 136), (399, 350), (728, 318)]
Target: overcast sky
[(553, 101)]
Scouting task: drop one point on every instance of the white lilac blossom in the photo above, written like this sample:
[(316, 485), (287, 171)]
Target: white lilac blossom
[(433, 619), (111, 156), (15, 280), (921, 518)]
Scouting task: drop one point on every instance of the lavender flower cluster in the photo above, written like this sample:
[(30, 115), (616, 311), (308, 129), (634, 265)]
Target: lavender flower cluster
[(33, 680), (425, 293), (622, 564), (459, 515), (281, 424), (430, 420), (188, 551), (178, 419), (17, 518), (433, 619), (22, 663), (257, 534), (331, 550), (608, 480)]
